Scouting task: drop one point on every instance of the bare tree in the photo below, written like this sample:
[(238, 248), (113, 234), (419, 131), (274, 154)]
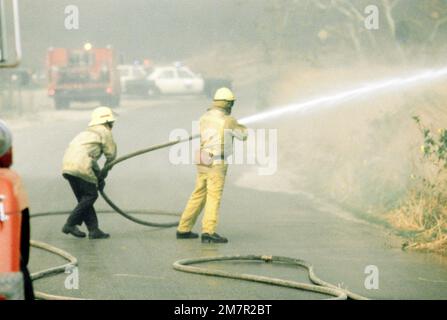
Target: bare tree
[(436, 27), (272, 27), (408, 28), (353, 23), (388, 6), (438, 13)]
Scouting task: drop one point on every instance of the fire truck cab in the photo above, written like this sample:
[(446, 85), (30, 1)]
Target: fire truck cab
[(83, 75)]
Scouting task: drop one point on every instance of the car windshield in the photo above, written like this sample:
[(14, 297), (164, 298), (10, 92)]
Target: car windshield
[(185, 74), (167, 74), (139, 73)]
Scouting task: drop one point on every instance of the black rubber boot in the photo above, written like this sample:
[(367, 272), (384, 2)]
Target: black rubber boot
[(213, 238), (187, 235), (98, 234), (74, 231)]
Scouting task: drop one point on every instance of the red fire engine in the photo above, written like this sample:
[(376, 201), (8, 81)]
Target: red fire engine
[(83, 75)]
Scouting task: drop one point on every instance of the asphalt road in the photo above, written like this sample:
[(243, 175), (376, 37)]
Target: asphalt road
[(136, 263)]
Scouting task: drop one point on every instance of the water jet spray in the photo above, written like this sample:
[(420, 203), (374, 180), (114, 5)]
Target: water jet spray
[(335, 99)]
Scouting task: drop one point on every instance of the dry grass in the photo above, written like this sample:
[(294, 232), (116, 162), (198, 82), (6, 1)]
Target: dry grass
[(422, 217)]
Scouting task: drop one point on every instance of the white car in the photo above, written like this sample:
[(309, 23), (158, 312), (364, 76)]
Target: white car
[(133, 79), (175, 80)]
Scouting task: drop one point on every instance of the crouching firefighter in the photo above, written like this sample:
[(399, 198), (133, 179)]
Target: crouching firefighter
[(217, 131), (82, 171)]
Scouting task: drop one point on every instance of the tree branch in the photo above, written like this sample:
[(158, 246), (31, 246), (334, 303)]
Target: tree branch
[(438, 24)]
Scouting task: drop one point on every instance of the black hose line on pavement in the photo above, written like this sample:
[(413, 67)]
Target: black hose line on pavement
[(117, 209), (186, 265), (132, 218), (140, 212)]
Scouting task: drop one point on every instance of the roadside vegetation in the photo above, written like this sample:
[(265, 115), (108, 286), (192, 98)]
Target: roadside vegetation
[(422, 216)]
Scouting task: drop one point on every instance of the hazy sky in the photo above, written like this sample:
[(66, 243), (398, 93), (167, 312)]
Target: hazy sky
[(169, 29)]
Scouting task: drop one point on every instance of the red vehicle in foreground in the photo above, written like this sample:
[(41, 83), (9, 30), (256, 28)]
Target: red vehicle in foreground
[(15, 281), (83, 75)]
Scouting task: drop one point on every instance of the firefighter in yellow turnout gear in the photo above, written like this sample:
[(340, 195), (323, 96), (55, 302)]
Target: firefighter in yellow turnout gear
[(217, 131)]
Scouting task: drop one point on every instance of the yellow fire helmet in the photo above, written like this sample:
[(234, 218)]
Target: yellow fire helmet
[(224, 94), (101, 115)]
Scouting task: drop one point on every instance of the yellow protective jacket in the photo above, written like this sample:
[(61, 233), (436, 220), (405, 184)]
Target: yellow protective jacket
[(217, 131), (81, 156)]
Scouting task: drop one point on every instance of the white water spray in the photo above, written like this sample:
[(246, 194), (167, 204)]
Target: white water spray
[(370, 88)]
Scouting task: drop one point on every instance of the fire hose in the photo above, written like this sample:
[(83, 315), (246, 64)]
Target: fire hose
[(72, 261), (109, 167), (186, 265)]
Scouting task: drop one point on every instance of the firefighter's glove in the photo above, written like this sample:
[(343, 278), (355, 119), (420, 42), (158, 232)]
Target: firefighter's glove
[(103, 174), (101, 184)]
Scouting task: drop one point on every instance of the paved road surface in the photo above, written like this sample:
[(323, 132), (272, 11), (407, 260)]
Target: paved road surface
[(136, 262)]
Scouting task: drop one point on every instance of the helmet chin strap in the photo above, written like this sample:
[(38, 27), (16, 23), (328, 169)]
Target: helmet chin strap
[(109, 124), (223, 105), (229, 107)]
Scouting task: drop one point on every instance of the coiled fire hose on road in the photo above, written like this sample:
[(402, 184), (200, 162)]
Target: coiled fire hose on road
[(72, 262), (319, 285), (186, 265)]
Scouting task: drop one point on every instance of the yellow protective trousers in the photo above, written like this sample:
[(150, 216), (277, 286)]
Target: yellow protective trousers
[(207, 194)]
